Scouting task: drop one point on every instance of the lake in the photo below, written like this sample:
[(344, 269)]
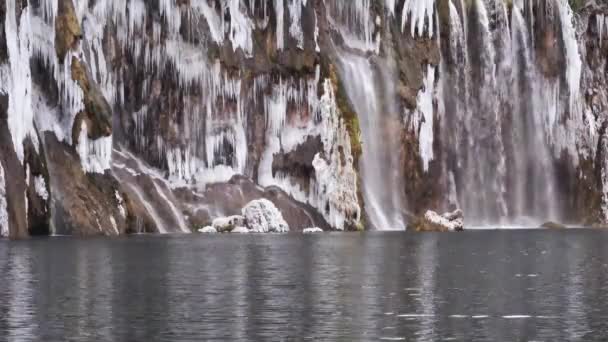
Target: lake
[(506, 285)]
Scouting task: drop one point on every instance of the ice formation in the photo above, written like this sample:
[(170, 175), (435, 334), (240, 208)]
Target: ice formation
[(95, 154), (40, 188), (444, 221), (355, 22), (423, 118), (18, 33), (227, 224), (573, 58), (312, 230), (420, 14), (335, 185), (207, 230), (263, 217)]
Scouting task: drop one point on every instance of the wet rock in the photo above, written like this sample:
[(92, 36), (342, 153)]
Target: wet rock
[(84, 204), (312, 230), (299, 162), (227, 224), (97, 114), (15, 186), (263, 217), (208, 230), (433, 222), (553, 225), (38, 193), (67, 28)]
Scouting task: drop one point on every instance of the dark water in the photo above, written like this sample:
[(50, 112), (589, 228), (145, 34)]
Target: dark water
[(475, 286)]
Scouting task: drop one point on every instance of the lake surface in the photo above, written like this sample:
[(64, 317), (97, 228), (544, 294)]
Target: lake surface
[(510, 285)]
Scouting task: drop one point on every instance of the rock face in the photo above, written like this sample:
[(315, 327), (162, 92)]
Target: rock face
[(158, 116), (263, 217), (433, 222)]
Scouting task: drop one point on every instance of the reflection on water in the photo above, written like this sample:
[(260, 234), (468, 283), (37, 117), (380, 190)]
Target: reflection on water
[(475, 286), (20, 314)]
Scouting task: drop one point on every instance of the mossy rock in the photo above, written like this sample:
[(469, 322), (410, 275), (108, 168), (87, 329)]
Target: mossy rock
[(97, 113)]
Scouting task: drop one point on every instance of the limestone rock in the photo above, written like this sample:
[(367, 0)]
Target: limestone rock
[(67, 28)]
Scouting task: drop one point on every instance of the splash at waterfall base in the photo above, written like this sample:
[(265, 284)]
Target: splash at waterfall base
[(122, 117)]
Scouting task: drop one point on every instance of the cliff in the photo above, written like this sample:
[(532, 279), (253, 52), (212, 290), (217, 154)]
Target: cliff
[(122, 116)]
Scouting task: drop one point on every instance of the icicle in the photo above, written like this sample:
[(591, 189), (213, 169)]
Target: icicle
[(419, 12), (390, 6), (354, 21), (19, 88), (573, 58), (425, 108), (600, 26), (241, 28), (95, 155), (279, 8), (295, 14)]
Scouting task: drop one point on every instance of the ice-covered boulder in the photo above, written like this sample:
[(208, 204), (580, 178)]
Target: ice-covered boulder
[(207, 230), (240, 230), (227, 224), (263, 217), (312, 230), (433, 222)]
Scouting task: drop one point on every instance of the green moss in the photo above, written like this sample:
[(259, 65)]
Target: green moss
[(576, 4), (351, 120)]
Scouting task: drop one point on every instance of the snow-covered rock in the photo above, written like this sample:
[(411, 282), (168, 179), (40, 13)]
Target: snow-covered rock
[(312, 230), (240, 230), (207, 230), (227, 224), (262, 216), (433, 222)]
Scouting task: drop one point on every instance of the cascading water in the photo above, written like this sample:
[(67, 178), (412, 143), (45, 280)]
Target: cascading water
[(533, 166), (504, 116), (379, 163)]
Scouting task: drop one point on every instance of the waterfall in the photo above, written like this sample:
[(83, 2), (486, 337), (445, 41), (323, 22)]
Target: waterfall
[(532, 161), (483, 105), (379, 163), (503, 122)]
